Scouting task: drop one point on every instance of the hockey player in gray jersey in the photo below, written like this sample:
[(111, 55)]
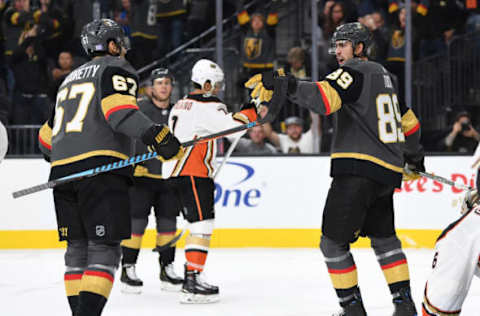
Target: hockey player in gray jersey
[(152, 191), (375, 135), (96, 115)]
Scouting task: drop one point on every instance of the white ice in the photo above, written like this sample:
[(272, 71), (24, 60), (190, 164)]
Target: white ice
[(263, 282)]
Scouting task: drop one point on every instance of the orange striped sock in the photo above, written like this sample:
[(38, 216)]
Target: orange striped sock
[(196, 251)]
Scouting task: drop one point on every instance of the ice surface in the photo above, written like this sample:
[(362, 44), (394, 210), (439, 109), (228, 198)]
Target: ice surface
[(263, 282)]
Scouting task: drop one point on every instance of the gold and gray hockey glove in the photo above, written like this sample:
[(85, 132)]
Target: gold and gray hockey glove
[(158, 138), (262, 85)]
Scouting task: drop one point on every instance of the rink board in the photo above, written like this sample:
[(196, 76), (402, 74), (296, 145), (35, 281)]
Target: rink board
[(259, 202)]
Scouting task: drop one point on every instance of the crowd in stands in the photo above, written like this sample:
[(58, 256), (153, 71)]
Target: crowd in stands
[(40, 46)]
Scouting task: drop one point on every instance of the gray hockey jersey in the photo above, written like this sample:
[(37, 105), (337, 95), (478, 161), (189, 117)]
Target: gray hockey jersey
[(95, 116), (371, 123)]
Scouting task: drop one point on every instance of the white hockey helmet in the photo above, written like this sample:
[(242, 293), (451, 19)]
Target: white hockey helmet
[(206, 70)]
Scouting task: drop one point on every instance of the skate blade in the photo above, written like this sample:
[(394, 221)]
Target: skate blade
[(169, 287), (190, 298), (129, 289)]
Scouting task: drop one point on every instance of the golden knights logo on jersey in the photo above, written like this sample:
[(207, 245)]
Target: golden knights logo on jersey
[(253, 47)]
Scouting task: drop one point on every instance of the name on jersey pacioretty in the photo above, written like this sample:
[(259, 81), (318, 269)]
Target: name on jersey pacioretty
[(82, 73)]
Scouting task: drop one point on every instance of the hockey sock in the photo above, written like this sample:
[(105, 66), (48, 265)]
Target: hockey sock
[(393, 262), (166, 256), (343, 273), (72, 279), (131, 249), (342, 269), (95, 288), (196, 251)]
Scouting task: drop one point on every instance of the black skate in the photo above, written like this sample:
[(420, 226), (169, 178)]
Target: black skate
[(196, 291), (131, 283), (354, 308), (404, 306), (169, 280)]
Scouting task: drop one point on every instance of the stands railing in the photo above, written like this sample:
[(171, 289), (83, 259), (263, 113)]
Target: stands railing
[(23, 141), (443, 82)]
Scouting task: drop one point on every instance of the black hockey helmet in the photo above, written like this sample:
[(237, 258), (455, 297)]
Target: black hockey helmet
[(97, 34), (355, 33), (161, 73)]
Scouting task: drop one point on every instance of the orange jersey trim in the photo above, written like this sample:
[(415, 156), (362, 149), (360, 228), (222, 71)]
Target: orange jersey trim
[(197, 200)]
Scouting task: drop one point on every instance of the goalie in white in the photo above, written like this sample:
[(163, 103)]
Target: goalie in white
[(199, 114), (455, 262)]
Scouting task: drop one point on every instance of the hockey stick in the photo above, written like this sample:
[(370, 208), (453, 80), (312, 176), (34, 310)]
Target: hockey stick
[(227, 155), (277, 102), (444, 180), (171, 243)]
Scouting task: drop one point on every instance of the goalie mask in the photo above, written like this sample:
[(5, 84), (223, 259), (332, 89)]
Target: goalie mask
[(355, 33), (204, 71), (97, 34)]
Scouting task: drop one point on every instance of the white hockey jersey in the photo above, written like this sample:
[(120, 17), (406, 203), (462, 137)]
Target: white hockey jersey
[(196, 116), (456, 261)]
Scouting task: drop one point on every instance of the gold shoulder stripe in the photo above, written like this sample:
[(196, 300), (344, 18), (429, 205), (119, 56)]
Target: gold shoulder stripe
[(410, 123), (110, 153), (45, 136), (330, 96), (368, 158), (110, 103)]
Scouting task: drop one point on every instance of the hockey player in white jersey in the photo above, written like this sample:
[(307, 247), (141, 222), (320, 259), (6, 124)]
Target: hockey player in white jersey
[(3, 142), (200, 113), (456, 261)]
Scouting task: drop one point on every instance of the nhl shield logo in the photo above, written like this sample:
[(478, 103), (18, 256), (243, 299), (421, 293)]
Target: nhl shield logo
[(252, 47), (100, 230)]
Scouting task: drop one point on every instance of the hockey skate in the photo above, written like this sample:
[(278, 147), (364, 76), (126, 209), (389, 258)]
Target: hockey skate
[(355, 308), (196, 291), (403, 303), (131, 284), (169, 280)]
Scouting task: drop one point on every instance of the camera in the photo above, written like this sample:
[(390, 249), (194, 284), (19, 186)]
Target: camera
[(465, 127)]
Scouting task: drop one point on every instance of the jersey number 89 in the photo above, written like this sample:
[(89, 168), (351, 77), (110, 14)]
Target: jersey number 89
[(389, 119)]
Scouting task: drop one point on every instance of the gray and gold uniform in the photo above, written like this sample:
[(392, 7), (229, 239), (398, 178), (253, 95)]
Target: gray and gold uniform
[(371, 124), (373, 133), (149, 191), (95, 116)]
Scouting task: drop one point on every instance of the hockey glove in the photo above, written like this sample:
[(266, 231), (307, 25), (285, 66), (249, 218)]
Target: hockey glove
[(470, 200), (413, 164), (158, 138)]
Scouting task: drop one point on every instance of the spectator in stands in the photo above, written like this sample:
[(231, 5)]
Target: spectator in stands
[(473, 19), (50, 20), (144, 32), (123, 16), (199, 16), (463, 138), (60, 72), (395, 55), (256, 144), (295, 141), (31, 103), (375, 23), (171, 17), (445, 19), (258, 42), (17, 18), (298, 68), (334, 17)]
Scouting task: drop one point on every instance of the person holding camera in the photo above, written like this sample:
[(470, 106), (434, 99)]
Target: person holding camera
[(463, 138)]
